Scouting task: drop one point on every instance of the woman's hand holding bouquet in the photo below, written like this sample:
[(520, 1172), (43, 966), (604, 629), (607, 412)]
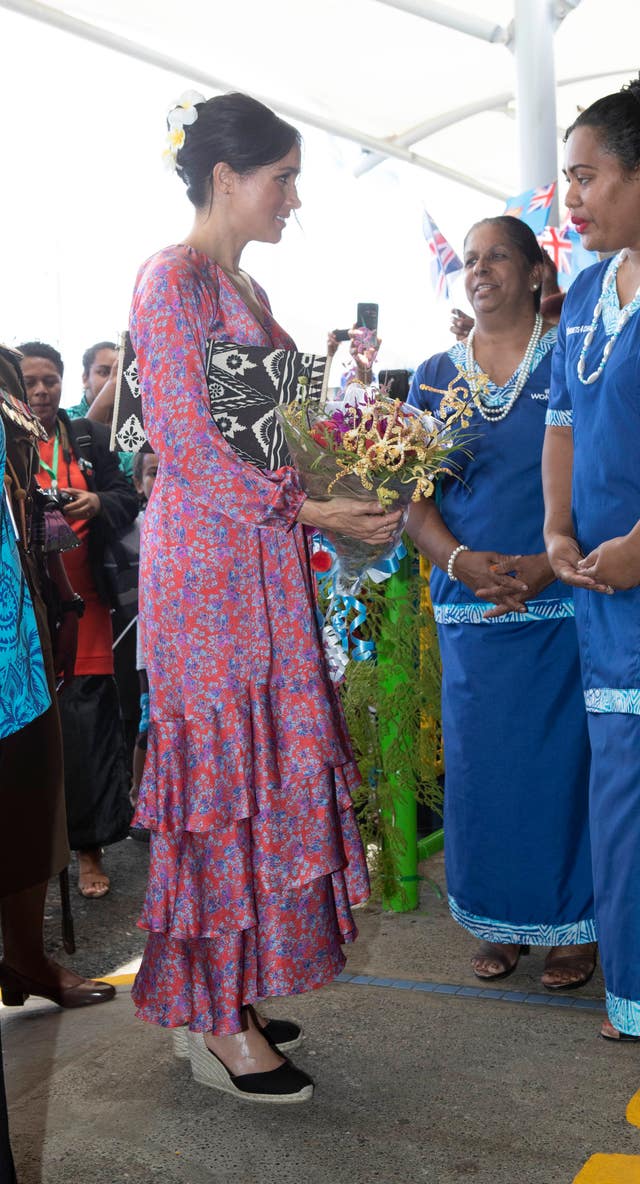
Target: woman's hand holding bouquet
[(366, 520)]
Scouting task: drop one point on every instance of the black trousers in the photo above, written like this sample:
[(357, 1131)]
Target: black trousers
[(7, 1170)]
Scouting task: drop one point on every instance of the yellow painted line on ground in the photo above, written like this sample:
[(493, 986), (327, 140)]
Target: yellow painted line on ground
[(599, 1169), (633, 1110), (610, 1169)]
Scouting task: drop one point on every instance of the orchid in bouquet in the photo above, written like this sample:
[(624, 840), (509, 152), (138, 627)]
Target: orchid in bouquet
[(374, 447)]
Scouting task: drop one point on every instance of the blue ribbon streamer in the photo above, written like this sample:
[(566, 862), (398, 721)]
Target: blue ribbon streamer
[(387, 567), (341, 606), (338, 613)]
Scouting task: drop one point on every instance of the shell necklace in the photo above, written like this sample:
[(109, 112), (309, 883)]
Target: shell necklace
[(494, 414), (623, 316)]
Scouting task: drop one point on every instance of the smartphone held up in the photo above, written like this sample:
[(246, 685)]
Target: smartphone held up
[(366, 321)]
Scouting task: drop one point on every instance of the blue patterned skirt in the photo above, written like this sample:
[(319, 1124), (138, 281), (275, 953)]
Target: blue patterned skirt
[(516, 787)]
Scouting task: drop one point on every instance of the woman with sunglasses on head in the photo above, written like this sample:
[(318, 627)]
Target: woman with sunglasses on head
[(592, 528)]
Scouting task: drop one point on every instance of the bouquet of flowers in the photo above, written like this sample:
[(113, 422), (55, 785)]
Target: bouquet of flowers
[(375, 447)]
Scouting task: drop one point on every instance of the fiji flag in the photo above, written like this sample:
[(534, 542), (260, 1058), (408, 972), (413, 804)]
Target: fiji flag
[(564, 245), (533, 206), (444, 261)]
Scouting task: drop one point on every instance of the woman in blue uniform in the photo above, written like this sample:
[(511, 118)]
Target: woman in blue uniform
[(514, 726), (592, 495)]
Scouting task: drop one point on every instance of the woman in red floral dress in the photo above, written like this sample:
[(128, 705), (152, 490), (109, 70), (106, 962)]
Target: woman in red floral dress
[(255, 851)]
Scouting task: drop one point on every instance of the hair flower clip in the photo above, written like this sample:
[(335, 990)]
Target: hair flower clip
[(183, 113)]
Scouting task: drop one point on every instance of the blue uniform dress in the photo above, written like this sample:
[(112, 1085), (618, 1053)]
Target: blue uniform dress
[(605, 418), (514, 726)]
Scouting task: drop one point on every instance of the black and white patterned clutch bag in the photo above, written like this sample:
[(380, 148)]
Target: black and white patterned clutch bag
[(246, 383)]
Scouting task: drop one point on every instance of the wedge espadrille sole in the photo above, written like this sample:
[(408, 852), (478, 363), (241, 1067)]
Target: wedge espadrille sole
[(180, 1040), (208, 1070)]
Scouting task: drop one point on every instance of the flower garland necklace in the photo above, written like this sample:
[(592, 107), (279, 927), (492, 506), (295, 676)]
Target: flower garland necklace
[(493, 414), (623, 316)]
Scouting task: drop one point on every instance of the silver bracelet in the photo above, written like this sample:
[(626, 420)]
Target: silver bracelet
[(452, 558)]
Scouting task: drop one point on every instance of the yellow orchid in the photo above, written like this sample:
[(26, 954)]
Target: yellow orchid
[(389, 447)]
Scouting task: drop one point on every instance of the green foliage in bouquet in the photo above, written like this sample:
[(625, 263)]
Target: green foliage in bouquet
[(392, 706)]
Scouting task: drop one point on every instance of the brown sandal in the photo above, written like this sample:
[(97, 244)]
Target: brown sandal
[(579, 965), (93, 885), (493, 952), (93, 881)]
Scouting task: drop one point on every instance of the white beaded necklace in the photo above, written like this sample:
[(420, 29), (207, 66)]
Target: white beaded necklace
[(623, 316), (494, 414)]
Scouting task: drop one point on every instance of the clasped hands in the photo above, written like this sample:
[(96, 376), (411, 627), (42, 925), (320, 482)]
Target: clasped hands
[(508, 581), (612, 566)]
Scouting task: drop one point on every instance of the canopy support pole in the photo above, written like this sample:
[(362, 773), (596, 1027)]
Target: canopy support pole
[(536, 96)]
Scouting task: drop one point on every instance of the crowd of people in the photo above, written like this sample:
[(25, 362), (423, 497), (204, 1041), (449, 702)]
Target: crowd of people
[(240, 761)]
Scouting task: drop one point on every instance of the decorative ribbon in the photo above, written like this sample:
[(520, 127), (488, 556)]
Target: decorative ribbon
[(340, 609), (346, 613), (387, 567)]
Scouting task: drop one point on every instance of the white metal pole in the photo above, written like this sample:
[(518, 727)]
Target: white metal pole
[(429, 127), (536, 95), (453, 18)]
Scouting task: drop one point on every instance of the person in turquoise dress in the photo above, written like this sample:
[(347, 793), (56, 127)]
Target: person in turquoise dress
[(24, 694), (592, 495), (514, 727)]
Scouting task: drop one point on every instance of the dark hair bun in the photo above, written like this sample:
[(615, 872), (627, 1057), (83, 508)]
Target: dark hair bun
[(633, 88), (616, 120), (234, 129)]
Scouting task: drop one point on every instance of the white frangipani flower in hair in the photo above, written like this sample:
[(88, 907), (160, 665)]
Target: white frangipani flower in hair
[(182, 114)]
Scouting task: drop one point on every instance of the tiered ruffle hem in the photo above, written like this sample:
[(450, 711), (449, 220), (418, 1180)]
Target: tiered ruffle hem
[(255, 857)]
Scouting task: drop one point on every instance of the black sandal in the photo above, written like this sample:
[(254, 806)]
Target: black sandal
[(616, 1035)]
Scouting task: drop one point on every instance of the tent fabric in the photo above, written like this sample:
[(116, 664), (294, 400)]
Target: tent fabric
[(87, 196), (377, 69)]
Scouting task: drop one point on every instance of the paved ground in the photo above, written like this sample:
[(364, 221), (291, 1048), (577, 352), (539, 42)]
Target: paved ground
[(415, 1083)]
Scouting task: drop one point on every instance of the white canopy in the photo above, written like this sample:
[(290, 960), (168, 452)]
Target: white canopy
[(431, 84)]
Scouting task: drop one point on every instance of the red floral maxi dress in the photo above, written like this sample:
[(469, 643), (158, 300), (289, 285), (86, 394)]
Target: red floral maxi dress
[(255, 850)]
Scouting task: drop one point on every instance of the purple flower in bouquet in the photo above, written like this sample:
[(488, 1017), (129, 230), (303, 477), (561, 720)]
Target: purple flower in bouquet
[(378, 447)]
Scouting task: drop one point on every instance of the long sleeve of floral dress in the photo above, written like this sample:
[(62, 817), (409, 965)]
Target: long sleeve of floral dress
[(175, 308), (255, 852)]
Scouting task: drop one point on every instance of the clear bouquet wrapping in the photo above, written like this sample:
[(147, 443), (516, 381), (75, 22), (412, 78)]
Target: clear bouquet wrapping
[(377, 447)]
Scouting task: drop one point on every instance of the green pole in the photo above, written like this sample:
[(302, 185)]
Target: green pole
[(431, 844), (395, 747)]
